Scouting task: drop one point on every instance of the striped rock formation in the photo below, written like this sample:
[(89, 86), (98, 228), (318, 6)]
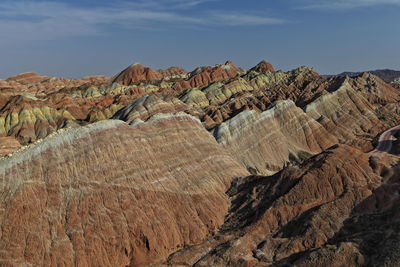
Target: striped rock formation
[(110, 194), (214, 167), (266, 142)]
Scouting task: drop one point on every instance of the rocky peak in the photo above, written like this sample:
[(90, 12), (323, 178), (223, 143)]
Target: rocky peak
[(263, 66), (136, 73)]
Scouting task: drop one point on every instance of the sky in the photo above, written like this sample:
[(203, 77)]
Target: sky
[(76, 38)]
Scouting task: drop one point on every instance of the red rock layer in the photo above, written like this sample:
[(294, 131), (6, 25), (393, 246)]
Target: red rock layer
[(27, 78), (172, 72), (8, 145), (113, 195), (263, 66), (274, 220), (137, 73), (204, 76), (36, 84), (147, 106)]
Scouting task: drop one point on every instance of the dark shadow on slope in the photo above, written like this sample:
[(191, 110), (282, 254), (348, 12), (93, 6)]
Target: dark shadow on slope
[(374, 225), (251, 197)]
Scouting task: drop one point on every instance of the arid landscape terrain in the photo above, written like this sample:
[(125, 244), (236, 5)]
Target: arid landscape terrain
[(219, 166)]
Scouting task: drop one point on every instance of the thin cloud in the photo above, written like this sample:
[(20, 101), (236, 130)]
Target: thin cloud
[(239, 19), (346, 4), (48, 20)]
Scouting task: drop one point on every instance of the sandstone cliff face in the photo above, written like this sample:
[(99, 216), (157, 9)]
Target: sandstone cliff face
[(110, 194)]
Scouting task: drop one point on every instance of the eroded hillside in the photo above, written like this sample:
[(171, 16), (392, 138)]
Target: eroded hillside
[(215, 167)]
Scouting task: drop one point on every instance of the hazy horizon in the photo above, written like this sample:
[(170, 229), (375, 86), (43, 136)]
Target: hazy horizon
[(74, 38)]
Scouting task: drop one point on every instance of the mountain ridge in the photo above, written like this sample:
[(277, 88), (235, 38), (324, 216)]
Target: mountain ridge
[(219, 166)]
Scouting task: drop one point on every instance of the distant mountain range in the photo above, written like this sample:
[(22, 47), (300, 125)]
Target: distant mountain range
[(386, 74)]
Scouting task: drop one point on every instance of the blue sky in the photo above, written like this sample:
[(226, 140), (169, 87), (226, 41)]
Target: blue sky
[(75, 38)]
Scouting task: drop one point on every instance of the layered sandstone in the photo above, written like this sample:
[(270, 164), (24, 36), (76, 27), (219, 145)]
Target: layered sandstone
[(36, 84), (263, 66), (27, 119), (8, 145), (266, 142), (275, 220), (147, 106), (153, 169), (136, 73), (204, 76), (110, 194), (27, 78), (347, 114)]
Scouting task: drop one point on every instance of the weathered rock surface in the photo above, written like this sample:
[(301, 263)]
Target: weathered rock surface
[(8, 145), (173, 73), (277, 220), (151, 168), (350, 114), (137, 73), (27, 78), (111, 194), (266, 142), (204, 76), (147, 106), (370, 236), (27, 119), (36, 84), (263, 66)]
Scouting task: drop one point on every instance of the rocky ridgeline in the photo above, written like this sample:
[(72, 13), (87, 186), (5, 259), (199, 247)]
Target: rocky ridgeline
[(214, 167)]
